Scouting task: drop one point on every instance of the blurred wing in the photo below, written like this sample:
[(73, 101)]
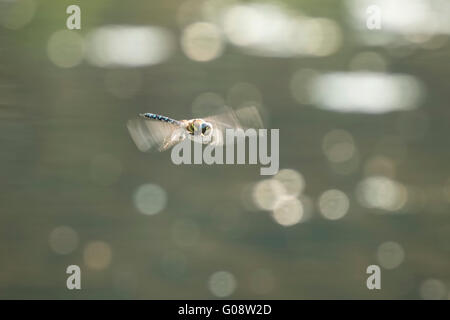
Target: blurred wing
[(177, 135), (244, 118), (249, 117), (149, 135), (224, 120)]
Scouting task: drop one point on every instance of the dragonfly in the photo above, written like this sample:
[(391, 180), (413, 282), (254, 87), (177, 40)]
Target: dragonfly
[(152, 131)]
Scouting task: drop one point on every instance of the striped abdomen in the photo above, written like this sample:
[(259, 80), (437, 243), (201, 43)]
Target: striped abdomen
[(153, 116)]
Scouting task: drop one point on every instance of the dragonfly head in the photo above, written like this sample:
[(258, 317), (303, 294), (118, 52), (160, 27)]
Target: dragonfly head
[(201, 127)]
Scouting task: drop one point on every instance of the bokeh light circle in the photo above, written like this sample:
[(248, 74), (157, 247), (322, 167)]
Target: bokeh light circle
[(202, 41), (97, 255), (222, 284), (334, 204), (390, 255), (65, 48), (432, 289), (288, 212), (292, 181), (150, 199), (267, 193), (63, 240)]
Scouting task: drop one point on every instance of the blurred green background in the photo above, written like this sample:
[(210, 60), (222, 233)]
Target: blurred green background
[(364, 154)]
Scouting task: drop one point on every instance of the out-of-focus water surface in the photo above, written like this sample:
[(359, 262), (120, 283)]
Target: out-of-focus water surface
[(364, 152)]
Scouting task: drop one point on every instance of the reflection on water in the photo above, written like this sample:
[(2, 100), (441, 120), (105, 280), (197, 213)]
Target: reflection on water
[(364, 162)]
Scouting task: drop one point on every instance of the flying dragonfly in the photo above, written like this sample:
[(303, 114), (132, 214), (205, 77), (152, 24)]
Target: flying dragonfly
[(153, 131)]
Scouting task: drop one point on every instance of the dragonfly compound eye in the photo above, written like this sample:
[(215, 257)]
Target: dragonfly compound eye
[(206, 129)]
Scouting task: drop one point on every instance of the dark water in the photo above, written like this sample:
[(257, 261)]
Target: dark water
[(67, 159)]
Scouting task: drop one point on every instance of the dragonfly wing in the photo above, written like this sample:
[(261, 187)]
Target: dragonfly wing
[(217, 137), (177, 136), (244, 118), (249, 117), (149, 135)]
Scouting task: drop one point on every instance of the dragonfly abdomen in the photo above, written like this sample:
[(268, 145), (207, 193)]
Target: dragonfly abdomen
[(158, 117)]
